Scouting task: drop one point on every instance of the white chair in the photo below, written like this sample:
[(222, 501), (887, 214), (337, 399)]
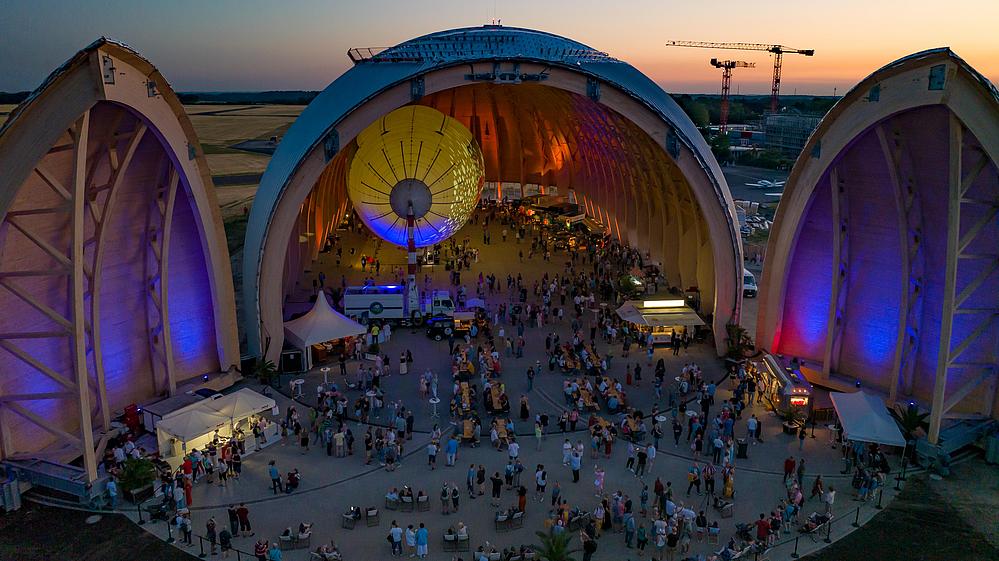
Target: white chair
[(495, 556), (450, 542)]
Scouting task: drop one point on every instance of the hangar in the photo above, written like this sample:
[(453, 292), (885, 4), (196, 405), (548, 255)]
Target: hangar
[(115, 281), (546, 111), (882, 264)]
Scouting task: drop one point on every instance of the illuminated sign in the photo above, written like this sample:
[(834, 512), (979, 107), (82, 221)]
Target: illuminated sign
[(663, 303), (799, 401)]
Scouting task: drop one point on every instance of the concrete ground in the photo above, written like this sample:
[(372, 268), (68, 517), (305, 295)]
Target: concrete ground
[(332, 484)]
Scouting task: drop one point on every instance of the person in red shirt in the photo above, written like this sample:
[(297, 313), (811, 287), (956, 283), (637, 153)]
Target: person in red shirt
[(788, 468), (762, 528)]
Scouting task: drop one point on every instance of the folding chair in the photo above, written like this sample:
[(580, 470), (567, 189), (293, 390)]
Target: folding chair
[(517, 520), (371, 516), (423, 503)]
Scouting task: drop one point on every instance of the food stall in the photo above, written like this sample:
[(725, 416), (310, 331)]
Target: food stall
[(322, 333), (220, 416), (662, 317), (781, 383)]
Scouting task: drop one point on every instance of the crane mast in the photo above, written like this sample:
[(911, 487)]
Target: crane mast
[(727, 66)]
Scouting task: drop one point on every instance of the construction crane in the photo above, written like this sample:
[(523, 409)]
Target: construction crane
[(777, 50), (727, 66)]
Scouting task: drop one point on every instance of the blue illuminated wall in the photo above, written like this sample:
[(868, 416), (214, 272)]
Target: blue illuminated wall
[(865, 346)]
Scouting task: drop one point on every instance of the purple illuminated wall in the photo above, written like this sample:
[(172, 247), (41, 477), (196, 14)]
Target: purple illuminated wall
[(870, 322)]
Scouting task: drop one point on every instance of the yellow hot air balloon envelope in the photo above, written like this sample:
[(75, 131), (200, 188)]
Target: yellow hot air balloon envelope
[(416, 159)]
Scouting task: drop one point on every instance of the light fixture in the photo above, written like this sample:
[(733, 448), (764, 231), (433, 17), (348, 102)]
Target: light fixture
[(663, 304)]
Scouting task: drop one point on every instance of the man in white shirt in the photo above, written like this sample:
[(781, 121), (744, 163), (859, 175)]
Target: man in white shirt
[(514, 449)]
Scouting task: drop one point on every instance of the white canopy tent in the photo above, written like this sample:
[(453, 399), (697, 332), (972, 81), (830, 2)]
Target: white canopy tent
[(195, 425), (238, 405), (174, 433), (650, 313), (864, 418), (322, 323)]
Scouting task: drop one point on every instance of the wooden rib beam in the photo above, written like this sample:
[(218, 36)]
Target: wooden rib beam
[(120, 169), (902, 223), (79, 340), (52, 182), (36, 396), (30, 299), (959, 394), (837, 272), (34, 363), (42, 244), (954, 187), (963, 346), (975, 284), (44, 424)]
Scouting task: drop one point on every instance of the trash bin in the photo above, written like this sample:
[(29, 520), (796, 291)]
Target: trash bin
[(741, 447)]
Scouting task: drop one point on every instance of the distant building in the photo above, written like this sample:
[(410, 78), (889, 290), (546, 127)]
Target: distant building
[(788, 131)]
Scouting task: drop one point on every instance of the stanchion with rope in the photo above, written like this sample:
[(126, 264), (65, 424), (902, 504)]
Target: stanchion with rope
[(828, 532), (201, 544), (881, 493), (169, 532), (856, 519), (138, 508), (794, 554)]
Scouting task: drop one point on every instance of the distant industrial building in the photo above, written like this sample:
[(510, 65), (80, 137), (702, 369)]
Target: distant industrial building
[(788, 131)]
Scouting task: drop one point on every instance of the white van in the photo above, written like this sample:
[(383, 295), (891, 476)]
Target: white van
[(748, 284)]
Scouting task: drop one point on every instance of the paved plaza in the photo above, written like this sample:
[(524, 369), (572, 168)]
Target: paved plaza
[(331, 484)]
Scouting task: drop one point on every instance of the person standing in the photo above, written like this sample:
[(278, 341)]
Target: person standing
[(233, 520), (497, 488), (210, 533), (243, 514), (395, 536), (276, 484), (451, 450), (470, 480), (643, 457), (677, 431), (576, 462), (422, 539), (598, 480), (541, 481), (112, 488), (788, 468), (432, 455), (411, 540)]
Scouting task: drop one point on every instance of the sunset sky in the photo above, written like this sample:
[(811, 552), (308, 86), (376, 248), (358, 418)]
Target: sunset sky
[(246, 45)]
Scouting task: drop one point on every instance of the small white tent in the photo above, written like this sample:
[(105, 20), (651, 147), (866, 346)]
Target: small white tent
[(865, 419), (322, 323), (187, 427), (238, 404)]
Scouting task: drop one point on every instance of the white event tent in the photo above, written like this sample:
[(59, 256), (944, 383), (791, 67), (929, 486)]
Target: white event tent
[(322, 323), (194, 426), (864, 418)]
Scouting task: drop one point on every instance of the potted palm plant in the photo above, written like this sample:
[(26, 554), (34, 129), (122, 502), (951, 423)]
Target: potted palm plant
[(136, 479), (739, 341), (265, 371), (554, 547)]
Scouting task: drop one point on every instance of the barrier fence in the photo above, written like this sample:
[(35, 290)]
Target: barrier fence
[(838, 526)]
